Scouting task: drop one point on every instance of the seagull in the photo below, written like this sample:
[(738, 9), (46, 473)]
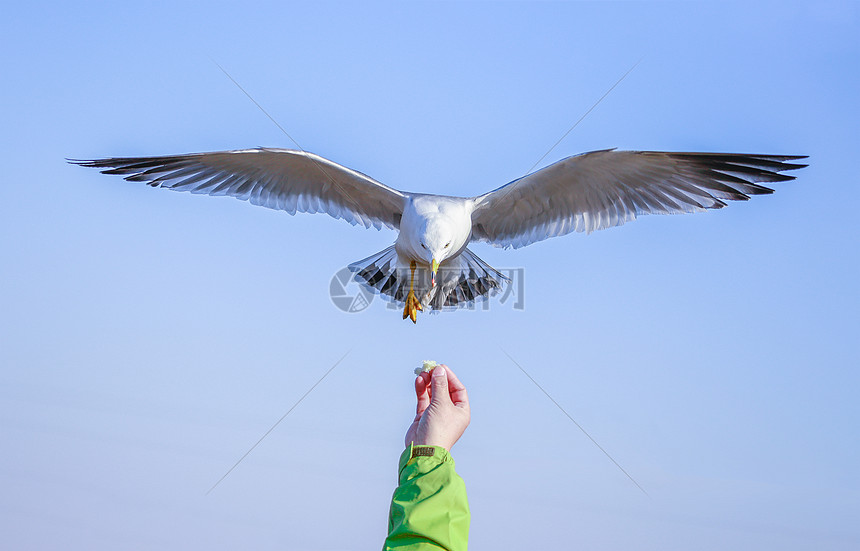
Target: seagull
[(582, 193)]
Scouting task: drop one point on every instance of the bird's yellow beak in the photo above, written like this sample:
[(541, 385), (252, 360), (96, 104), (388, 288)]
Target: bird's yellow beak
[(434, 266)]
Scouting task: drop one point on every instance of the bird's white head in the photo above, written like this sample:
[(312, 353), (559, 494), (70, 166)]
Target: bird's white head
[(435, 229)]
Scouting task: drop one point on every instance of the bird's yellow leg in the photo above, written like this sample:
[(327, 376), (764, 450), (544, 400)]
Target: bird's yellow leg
[(410, 310)]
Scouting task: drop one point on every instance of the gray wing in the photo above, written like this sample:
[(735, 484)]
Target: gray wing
[(284, 179), (600, 189)]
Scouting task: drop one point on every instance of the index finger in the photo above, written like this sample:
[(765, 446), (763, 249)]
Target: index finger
[(422, 392)]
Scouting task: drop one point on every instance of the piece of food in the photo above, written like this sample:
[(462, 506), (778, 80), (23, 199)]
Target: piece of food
[(426, 368)]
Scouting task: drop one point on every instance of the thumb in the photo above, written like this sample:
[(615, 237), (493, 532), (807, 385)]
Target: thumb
[(439, 385)]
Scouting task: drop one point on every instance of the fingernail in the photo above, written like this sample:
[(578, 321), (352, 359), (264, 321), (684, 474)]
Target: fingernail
[(439, 371)]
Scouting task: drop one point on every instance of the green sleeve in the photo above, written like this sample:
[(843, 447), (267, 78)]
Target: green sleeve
[(429, 510)]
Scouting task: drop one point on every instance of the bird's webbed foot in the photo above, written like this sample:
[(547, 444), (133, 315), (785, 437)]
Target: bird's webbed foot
[(412, 307)]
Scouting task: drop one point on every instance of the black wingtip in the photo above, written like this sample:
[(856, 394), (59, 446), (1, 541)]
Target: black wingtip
[(89, 163), (776, 157), (793, 166)]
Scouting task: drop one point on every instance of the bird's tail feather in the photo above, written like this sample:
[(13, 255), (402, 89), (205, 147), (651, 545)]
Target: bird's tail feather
[(461, 281), (379, 272)]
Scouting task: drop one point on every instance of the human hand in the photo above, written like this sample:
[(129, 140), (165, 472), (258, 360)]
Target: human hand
[(442, 414)]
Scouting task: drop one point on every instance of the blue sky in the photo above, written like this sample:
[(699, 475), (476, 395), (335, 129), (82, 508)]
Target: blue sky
[(148, 338)]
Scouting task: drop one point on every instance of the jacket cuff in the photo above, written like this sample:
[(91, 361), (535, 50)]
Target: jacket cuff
[(418, 460)]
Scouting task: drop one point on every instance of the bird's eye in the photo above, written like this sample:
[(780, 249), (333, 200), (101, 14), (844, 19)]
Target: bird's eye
[(423, 245), (448, 244)]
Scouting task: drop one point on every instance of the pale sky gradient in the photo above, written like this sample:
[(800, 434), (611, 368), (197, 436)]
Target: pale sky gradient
[(148, 338)]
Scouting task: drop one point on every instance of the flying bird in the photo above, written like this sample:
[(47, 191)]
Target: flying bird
[(430, 265)]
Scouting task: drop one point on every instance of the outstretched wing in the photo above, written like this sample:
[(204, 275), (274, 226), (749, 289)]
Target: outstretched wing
[(600, 189), (284, 179)]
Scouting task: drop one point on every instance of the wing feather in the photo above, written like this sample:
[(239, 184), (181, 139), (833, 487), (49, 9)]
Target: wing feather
[(607, 188), (282, 179)]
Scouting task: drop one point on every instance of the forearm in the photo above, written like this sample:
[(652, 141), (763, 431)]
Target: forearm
[(429, 509)]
